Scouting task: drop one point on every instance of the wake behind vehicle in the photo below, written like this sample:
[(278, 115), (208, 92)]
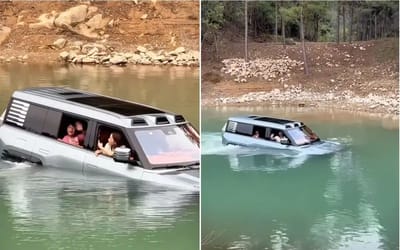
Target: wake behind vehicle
[(275, 134), (156, 145)]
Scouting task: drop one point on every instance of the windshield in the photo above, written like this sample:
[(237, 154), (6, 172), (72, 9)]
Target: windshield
[(170, 145), (311, 135), (298, 136)]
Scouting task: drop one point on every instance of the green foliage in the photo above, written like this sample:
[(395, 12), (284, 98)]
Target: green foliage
[(320, 17), (212, 16)]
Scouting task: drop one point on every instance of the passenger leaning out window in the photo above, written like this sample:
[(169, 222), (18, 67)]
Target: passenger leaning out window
[(114, 141), (70, 137)]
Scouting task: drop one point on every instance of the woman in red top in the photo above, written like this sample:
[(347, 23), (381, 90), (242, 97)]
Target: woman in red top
[(70, 137)]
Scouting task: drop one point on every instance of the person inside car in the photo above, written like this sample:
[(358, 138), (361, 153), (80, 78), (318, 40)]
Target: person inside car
[(113, 142), (70, 137)]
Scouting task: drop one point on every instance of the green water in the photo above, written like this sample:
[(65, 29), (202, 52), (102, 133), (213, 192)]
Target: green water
[(47, 209), (346, 200)]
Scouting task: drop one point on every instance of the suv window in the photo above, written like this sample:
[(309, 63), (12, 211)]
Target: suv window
[(244, 129), (79, 129), (103, 132), (51, 123), (16, 113)]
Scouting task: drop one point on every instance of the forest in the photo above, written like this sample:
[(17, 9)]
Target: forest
[(323, 21)]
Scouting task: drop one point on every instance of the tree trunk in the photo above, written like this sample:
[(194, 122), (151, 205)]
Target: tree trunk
[(302, 41), (344, 22), (245, 30), (338, 23), (370, 27), (283, 32), (375, 26), (351, 22), (358, 31), (216, 46), (254, 23), (276, 22)]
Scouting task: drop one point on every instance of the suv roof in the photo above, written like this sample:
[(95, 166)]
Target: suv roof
[(95, 106), (271, 122)]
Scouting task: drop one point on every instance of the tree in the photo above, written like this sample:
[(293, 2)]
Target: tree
[(212, 21), (302, 40), (344, 21), (351, 21), (276, 21), (338, 23), (246, 30)]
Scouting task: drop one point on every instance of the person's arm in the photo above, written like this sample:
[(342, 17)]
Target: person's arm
[(106, 150)]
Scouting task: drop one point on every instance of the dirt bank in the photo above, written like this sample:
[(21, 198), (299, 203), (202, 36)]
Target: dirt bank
[(361, 76), (28, 30)]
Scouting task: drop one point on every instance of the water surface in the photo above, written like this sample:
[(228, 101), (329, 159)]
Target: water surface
[(43, 208), (345, 200)]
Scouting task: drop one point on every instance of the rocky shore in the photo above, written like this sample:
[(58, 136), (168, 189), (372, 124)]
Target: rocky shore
[(345, 100), (94, 53), (105, 33), (362, 76)]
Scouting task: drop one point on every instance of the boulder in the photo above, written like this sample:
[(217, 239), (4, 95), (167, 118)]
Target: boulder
[(91, 11), (141, 49), (83, 30), (177, 51), (194, 55), (77, 45), (89, 60), (4, 33), (144, 16), (64, 55), (72, 16), (135, 58), (97, 22), (160, 58), (93, 51), (46, 20), (87, 47), (60, 43), (118, 60)]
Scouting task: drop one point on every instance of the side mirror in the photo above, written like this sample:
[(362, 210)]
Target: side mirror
[(122, 154), (285, 141)]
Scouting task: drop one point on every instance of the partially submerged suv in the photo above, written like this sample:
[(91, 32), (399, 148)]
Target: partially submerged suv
[(156, 145), (274, 133)]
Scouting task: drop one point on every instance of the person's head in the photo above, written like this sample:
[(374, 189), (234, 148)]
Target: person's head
[(280, 134), (115, 139), (79, 126), (70, 130), (256, 133)]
